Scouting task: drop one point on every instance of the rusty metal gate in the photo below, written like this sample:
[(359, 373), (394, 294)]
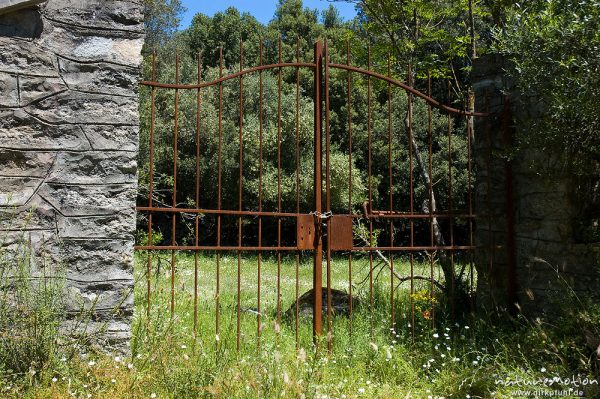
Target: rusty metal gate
[(319, 231)]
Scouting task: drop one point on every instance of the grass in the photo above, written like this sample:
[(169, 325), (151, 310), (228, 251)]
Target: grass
[(457, 359)]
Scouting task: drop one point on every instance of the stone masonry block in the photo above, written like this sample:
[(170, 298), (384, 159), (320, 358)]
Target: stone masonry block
[(94, 167), (88, 200), (21, 132)]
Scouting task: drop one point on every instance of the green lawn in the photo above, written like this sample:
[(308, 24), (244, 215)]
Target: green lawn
[(456, 359)]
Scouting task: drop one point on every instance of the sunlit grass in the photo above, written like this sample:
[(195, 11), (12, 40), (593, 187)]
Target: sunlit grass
[(458, 359)]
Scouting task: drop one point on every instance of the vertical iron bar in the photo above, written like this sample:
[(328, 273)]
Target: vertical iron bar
[(219, 176), (174, 218), (241, 177), (470, 135), (430, 171), (350, 178), (279, 187), (391, 198), (260, 175), (328, 195), (151, 182), (370, 188), (318, 255), (297, 182), (196, 232), (412, 209), (451, 209)]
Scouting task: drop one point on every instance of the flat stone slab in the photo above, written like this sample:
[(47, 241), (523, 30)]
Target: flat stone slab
[(7, 6)]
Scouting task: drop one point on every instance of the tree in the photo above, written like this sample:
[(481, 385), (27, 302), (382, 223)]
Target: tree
[(162, 18), (555, 52)]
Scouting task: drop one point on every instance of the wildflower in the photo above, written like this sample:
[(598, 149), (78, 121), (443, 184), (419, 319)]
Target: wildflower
[(129, 366), (113, 381), (466, 328), (436, 335), (63, 359), (373, 346), (91, 363), (186, 357), (475, 362), (153, 395), (54, 379), (543, 370), (361, 390), (183, 346), (302, 355), (117, 359)]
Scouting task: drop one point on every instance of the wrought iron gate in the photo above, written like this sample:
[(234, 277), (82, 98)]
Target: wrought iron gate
[(319, 231)]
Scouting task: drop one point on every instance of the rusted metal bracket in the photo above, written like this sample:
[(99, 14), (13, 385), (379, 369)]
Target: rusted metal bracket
[(305, 232), (340, 230)]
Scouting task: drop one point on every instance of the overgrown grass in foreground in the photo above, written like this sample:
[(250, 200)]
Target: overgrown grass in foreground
[(457, 359)]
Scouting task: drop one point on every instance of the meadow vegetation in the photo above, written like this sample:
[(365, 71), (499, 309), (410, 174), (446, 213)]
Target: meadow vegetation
[(456, 358)]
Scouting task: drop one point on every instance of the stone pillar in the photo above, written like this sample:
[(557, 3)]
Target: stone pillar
[(69, 125), (550, 266)]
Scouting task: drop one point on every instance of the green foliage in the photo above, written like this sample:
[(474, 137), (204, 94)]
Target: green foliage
[(555, 51), (432, 36), (31, 310), (556, 56), (161, 18)]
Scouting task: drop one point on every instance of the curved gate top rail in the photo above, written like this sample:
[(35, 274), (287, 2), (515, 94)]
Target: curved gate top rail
[(318, 231), (367, 72)]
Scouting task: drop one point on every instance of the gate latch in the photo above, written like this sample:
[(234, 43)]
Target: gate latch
[(305, 232), (340, 233)]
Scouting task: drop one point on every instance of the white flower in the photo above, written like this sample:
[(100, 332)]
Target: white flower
[(153, 395), (543, 370), (183, 347), (368, 382), (129, 366), (466, 328), (361, 390), (117, 359), (436, 335), (186, 357), (54, 379), (113, 381), (475, 362), (91, 363)]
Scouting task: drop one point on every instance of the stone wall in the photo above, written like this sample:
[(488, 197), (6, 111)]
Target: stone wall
[(68, 146), (549, 264)]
